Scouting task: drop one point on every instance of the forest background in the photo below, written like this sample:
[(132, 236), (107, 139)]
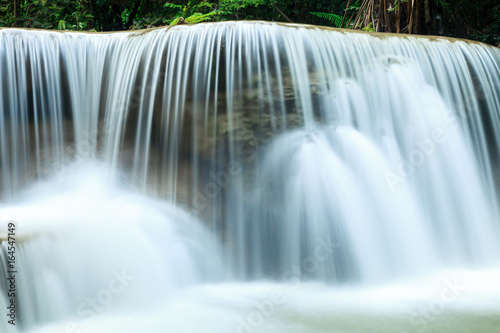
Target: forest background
[(477, 20)]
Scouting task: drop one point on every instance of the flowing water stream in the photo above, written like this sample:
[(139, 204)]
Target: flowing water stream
[(250, 177)]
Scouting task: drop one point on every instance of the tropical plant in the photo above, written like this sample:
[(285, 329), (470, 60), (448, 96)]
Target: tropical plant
[(62, 14), (191, 13), (335, 19), (479, 20)]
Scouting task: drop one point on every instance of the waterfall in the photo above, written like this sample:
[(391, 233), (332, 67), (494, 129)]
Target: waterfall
[(243, 151)]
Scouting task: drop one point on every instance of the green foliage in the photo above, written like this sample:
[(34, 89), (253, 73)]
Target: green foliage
[(478, 20), (369, 27), (233, 6), (61, 25), (335, 19), (243, 9), (192, 13), (199, 17), (173, 6), (46, 14)]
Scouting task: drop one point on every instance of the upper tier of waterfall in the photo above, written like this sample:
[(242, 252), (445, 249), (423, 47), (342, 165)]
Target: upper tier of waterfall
[(310, 152)]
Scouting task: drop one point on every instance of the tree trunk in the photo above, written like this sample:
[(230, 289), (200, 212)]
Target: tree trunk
[(134, 12), (91, 11), (16, 8), (416, 22)]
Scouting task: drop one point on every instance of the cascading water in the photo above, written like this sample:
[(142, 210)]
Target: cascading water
[(309, 154)]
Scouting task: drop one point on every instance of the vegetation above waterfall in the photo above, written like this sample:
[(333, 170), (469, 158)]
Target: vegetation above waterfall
[(479, 20)]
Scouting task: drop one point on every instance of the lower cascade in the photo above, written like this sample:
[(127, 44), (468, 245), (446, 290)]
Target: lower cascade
[(252, 176)]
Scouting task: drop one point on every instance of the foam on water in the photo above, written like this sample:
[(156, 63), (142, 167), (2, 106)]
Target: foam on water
[(451, 301), (86, 238)]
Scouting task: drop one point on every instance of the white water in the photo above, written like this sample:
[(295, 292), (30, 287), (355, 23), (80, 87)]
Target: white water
[(85, 238), (369, 164)]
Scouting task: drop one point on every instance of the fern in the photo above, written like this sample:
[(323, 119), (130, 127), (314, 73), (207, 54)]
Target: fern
[(173, 6), (203, 4), (335, 19), (199, 17)]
